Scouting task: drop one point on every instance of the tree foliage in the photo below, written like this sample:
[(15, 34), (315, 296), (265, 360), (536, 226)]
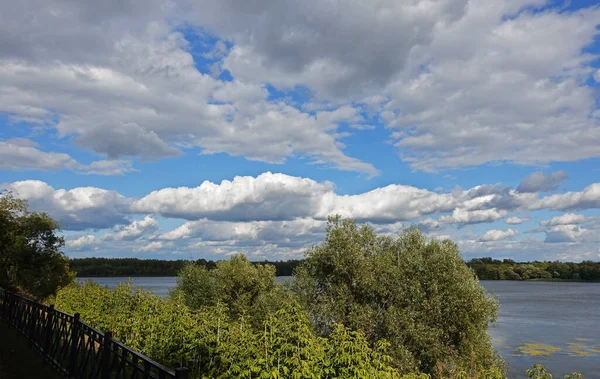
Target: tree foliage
[(507, 269), (216, 344), (131, 267), (416, 293), (30, 256), (246, 289)]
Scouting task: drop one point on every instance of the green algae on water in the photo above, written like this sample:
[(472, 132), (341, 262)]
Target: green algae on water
[(579, 349), (537, 349)]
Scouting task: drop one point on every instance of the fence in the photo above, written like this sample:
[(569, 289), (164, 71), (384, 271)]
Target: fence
[(76, 349)]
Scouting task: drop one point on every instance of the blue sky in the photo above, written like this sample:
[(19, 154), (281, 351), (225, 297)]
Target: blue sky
[(174, 130)]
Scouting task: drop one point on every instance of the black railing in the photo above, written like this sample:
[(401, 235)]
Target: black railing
[(76, 349)]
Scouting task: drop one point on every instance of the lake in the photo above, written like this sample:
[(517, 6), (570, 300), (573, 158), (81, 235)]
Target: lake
[(556, 324)]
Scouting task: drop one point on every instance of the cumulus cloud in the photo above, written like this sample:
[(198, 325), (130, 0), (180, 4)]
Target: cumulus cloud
[(135, 91), (429, 224), (122, 80), (563, 233), (496, 98), (279, 216), (266, 197), (588, 198), (497, 235), (464, 216), (283, 197), (515, 220), (23, 154), (19, 154), (565, 219), (152, 246), (76, 209), (538, 181), (136, 229), (81, 242)]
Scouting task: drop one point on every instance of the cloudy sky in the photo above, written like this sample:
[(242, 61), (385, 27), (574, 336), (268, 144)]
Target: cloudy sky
[(199, 128)]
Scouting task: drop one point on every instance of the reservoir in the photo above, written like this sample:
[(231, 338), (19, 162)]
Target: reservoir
[(556, 324)]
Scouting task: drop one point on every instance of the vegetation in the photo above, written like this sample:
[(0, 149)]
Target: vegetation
[(234, 321), (215, 344), (413, 292), (30, 256), (131, 267), (507, 269)]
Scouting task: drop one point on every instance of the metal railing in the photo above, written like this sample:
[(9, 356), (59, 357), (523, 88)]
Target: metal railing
[(76, 349)]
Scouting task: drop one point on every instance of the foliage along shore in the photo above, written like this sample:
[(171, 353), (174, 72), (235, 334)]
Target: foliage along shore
[(135, 267), (507, 269), (484, 268)]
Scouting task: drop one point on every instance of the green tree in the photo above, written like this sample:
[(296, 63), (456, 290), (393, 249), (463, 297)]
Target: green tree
[(30, 256), (246, 289), (416, 293)]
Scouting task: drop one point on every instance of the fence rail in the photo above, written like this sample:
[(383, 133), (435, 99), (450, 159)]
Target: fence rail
[(76, 349)]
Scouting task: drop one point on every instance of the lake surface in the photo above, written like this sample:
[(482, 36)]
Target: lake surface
[(556, 324)]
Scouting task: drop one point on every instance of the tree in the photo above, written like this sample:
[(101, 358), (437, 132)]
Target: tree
[(30, 256), (246, 289), (416, 293)]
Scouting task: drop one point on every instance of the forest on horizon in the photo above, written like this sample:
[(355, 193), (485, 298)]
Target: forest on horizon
[(485, 268)]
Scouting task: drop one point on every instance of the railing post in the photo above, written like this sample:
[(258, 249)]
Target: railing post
[(3, 299), (32, 320), (74, 345), (48, 334), (106, 345), (182, 373)]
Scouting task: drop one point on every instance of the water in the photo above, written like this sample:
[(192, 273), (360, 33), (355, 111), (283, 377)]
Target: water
[(160, 285), (556, 324), (561, 315)]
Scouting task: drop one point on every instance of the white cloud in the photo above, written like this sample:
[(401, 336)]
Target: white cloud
[(19, 154), (266, 197), (278, 216), (136, 229), (491, 88), (109, 167), (283, 197), (473, 217), (497, 235), (457, 83), (538, 181), (295, 232), (563, 233), (588, 198), (565, 219), (514, 220), (22, 154), (135, 90), (429, 224), (81, 242), (152, 246), (76, 209)]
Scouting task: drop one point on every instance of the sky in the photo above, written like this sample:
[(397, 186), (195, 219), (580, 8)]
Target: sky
[(199, 129)]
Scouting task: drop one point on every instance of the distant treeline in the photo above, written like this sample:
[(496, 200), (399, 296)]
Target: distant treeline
[(485, 268), (507, 269), (102, 267)]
